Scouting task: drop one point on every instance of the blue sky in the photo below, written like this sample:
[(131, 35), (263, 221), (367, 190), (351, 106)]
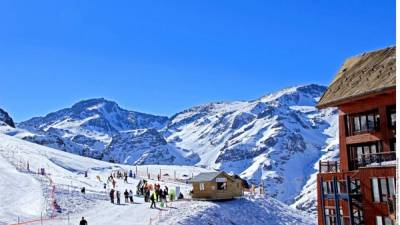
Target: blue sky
[(164, 56)]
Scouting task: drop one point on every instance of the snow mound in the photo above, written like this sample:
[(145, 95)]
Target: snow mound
[(240, 211)]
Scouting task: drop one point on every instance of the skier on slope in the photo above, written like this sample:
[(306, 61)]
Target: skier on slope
[(83, 221), (118, 198), (112, 196), (126, 178), (153, 200), (126, 194), (131, 196)]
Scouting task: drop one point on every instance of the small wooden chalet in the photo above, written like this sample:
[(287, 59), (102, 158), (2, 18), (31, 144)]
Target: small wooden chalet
[(216, 186)]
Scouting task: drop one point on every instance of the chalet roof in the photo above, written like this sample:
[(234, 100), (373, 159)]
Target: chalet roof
[(205, 177), (361, 75)]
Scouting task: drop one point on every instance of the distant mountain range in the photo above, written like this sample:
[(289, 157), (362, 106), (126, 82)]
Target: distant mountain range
[(276, 139)]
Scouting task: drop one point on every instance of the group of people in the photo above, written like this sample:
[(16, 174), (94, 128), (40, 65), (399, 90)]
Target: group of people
[(115, 194), (152, 193), (159, 195)]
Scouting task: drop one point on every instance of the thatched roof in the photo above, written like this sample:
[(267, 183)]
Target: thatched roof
[(361, 75)]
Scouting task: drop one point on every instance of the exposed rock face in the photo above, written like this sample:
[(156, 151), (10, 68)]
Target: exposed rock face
[(5, 118)]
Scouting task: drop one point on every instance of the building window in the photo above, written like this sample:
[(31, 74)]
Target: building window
[(202, 187), (393, 145), (383, 189), (330, 216), (221, 185), (364, 122), (380, 220), (391, 112), (388, 221), (328, 187), (361, 154)]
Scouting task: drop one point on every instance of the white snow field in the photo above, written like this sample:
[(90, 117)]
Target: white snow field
[(25, 196)]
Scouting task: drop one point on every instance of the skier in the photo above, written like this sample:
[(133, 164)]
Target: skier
[(131, 196), (126, 194), (146, 195), (118, 198), (162, 196), (83, 190), (112, 196), (153, 200), (83, 221), (126, 178), (165, 194), (105, 186), (158, 177), (114, 183)]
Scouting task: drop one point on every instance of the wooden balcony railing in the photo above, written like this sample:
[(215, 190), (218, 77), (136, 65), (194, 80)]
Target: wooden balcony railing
[(376, 159)]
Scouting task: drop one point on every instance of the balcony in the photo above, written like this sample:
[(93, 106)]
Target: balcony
[(329, 166), (374, 159)]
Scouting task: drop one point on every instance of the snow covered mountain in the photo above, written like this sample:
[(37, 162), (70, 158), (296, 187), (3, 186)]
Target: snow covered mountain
[(100, 129), (275, 140)]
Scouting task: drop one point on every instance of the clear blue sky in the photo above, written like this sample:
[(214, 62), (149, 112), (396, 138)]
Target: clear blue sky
[(164, 56)]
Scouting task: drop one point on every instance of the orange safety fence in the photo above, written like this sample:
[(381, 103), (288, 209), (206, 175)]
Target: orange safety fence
[(53, 206)]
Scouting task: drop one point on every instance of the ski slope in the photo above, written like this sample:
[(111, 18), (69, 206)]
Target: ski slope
[(20, 193), (26, 195), (23, 195)]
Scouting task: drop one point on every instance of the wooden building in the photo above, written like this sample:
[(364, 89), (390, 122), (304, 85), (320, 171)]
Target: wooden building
[(360, 187), (216, 186)]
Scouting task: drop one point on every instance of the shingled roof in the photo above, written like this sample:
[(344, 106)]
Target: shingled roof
[(361, 75), (205, 177)]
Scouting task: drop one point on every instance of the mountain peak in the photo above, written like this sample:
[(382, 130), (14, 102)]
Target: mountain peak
[(293, 95), (94, 103), (4, 117)]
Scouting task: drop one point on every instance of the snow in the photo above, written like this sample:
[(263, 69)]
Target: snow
[(20, 193), (26, 195), (23, 194), (239, 211)]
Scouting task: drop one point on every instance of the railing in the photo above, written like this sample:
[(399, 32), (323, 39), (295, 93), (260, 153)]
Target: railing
[(376, 159), (329, 166)]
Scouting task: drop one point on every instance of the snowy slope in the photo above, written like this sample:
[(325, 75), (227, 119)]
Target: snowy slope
[(240, 211), (276, 139), (66, 171), (25, 193), (20, 194)]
